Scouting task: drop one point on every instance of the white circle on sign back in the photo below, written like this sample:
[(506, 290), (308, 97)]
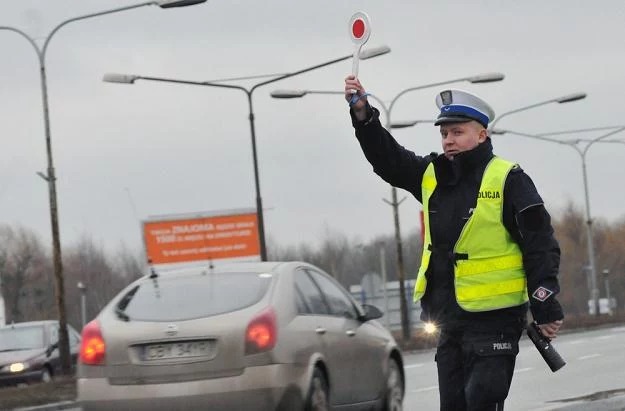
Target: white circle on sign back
[(359, 27)]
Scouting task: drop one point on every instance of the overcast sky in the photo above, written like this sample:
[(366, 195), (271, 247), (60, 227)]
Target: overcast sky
[(181, 149)]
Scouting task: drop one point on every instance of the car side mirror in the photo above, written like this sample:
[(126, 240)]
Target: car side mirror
[(371, 313), (51, 348)]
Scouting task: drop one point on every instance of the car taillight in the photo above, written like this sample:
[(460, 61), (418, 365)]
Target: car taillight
[(261, 333), (92, 346)]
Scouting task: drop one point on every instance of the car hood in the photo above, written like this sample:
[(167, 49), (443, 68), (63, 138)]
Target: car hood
[(10, 357)]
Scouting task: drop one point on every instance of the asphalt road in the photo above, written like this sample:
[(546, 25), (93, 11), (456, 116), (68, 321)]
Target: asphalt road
[(595, 363)]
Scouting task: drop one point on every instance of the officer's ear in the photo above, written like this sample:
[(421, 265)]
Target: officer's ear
[(483, 133)]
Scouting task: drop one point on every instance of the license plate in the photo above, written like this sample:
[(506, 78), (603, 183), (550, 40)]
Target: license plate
[(184, 349)]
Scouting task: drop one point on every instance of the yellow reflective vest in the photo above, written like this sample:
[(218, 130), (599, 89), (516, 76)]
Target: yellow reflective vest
[(488, 274)]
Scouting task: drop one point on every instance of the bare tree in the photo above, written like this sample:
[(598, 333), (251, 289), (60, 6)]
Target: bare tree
[(574, 275), (611, 259), (349, 260), (128, 264), (24, 275), (88, 263)]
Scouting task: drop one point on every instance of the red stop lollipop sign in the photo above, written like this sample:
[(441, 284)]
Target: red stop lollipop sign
[(359, 28), (359, 31)]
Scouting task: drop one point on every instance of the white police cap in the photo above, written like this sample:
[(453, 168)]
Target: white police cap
[(459, 106)]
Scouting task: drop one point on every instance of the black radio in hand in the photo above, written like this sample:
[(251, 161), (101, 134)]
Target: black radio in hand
[(544, 347)]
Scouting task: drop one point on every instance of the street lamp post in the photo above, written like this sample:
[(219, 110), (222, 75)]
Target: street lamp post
[(394, 203), (582, 153), (591, 248), (606, 280), (130, 79), (83, 302), (50, 177), (2, 310)]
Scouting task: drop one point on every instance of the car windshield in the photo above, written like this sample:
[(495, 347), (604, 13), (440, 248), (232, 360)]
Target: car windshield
[(184, 297), (21, 338)]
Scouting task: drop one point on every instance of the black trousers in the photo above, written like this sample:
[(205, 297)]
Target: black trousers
[(475, 367)]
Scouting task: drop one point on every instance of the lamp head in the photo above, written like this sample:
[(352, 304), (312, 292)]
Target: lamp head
[(288, 93), (571, 97), (486, 78), (168, 4), (119, 78)]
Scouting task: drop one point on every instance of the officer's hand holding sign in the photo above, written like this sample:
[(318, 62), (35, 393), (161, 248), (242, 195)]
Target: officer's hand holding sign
[(355, 93)]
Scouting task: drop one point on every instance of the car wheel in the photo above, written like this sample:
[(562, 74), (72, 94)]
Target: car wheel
[(46, 376), (318, 393), (394, 388)]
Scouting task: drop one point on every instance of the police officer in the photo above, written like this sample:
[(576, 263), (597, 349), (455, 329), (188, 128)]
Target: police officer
[(489, 249)]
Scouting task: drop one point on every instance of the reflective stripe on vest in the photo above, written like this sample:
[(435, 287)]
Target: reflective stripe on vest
[(492, 275)]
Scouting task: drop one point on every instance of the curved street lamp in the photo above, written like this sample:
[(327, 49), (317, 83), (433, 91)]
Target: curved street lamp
[(560, 100), (131, 79), (394, 203), (582, 153), (50, 177), (584, 140)]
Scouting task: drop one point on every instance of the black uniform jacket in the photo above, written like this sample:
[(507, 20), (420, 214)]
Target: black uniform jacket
[(450, 206)]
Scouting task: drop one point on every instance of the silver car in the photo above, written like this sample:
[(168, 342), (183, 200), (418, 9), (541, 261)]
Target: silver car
[(248, 336)]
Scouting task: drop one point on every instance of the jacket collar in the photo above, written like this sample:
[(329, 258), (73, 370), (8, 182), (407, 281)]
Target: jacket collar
[(449, 172)]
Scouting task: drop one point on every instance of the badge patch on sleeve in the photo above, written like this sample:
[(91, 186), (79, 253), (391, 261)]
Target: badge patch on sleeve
[(542, 293)]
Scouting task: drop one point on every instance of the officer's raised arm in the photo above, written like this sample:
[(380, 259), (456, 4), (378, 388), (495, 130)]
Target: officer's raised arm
[(395, 164)]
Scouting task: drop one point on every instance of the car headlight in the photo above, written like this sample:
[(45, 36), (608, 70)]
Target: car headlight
[(18, 367), (430, 328)]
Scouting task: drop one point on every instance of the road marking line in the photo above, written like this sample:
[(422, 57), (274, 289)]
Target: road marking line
[(551, 407), (523, 370), (604, 337), (413, 365), (577, 342), (585, 357), (433, 387)]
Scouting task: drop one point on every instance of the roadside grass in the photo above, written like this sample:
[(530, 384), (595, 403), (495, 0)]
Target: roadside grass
[(58, 390)]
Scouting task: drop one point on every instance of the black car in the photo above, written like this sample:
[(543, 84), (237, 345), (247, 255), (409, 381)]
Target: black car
[(29, 351)]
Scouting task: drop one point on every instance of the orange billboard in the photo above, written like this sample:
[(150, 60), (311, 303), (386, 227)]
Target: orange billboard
[(204, 237)]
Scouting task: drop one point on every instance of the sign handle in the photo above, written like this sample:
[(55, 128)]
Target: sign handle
[(355, 61)]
